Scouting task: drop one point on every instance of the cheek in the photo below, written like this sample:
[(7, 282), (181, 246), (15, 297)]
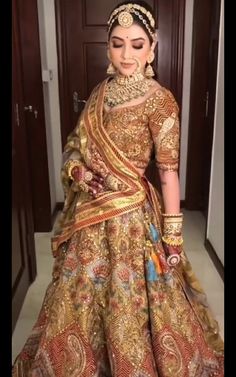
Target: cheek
[(114, 53), (143, 56)]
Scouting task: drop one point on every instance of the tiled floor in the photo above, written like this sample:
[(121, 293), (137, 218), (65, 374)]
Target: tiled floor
[(194, 230)]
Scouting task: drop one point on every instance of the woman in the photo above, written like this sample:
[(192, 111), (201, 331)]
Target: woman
[(123, 299)]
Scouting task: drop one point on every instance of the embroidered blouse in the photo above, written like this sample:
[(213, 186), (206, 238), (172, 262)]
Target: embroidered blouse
[(154, 123)]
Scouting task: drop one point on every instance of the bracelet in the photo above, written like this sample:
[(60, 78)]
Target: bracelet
[(83, 186), (172, 229), (112, 182), (173, 240), (173, 260), (172, 214), (70, 165)]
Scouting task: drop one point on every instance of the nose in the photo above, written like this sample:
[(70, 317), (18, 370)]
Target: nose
[(126, 53)]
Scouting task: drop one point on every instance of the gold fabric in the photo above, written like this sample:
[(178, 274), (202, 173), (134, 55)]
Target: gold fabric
[(154, 123), (102, 315)]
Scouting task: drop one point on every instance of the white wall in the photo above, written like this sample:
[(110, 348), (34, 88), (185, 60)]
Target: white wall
[(47, 28), (186, 95), (215, 225)]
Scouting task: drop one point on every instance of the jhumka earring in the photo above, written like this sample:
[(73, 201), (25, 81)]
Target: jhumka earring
[(110, 69), (149, 70)]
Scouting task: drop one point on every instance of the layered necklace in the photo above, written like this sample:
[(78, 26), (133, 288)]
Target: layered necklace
[(123, 89)]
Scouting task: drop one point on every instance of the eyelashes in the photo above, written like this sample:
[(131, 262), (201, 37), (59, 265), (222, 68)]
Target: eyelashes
[(135, 47)]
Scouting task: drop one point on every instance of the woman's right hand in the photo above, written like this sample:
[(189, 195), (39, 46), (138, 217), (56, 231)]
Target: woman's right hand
[(87, 180)]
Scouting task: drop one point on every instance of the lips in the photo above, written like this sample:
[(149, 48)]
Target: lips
[(127, 65)]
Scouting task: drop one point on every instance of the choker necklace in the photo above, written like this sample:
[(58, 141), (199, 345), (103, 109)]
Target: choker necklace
[(123, 89)]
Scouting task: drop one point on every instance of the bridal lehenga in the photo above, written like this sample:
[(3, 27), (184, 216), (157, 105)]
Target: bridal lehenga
[(105, 314)]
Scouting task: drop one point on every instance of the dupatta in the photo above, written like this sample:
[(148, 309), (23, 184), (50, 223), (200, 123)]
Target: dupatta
[(98, 152)]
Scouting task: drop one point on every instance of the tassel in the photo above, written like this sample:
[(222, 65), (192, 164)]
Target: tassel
[(154, 232), (151, 271), (156, 262)]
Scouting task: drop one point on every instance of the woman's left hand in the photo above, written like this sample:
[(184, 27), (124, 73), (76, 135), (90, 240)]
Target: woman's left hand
[(172, 254)]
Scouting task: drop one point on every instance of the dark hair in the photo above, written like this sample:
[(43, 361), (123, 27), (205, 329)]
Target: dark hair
[(136, 18)]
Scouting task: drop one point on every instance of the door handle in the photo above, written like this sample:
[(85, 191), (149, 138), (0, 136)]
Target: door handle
[(29, 108), (76, 102)]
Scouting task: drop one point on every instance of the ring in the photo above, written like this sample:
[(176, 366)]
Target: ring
[(173, 259), (88, 176)]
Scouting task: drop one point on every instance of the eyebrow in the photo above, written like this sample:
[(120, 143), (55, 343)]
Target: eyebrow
[(133, 40)]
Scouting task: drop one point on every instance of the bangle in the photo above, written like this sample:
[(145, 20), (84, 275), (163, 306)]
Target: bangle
[(173, 260), (173, 240), (172, 214), (70, 165), (83, 186)]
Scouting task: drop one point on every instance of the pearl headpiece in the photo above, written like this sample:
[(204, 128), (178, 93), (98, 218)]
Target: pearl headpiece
[(125, 18)]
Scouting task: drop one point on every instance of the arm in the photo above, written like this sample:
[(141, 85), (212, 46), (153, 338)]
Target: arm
[(164, 126), (170, 190), (74, 169)]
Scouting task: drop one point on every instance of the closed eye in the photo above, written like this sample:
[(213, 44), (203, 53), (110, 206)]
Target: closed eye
[(138, 47)]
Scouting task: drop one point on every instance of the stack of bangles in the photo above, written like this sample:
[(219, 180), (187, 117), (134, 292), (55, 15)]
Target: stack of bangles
[(77, 172), (172, 236)]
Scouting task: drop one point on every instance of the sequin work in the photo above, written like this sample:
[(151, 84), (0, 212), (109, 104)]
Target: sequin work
[(104, 313), (153, 123)]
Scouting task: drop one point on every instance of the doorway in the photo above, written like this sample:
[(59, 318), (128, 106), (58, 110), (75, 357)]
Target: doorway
[(206, 18)]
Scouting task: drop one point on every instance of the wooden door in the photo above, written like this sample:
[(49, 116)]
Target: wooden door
[(23, 248), (82, 41), (206, 19), (27, 14)]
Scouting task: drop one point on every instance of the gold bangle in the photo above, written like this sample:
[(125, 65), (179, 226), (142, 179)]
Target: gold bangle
[(173, 228), (70, 165), (172, 214), (173, 240), (83, 186)]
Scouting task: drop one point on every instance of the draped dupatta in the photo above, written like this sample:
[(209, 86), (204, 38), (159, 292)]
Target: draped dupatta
[(81, 210)]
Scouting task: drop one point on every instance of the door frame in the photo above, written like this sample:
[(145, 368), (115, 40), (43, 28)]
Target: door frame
[(32, 86), (26, 248), (195, 176)]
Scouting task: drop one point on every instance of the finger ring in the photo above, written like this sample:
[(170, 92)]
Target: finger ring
[(88, 176), (173, 259)]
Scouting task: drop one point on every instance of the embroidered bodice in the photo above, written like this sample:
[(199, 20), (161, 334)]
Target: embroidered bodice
[(137, 129)]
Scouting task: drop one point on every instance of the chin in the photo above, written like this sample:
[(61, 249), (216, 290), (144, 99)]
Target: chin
[(126, 72)]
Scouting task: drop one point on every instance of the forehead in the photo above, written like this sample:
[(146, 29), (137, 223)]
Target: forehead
[(132, 32)]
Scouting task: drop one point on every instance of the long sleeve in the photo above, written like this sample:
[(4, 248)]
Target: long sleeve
[(164, 127)]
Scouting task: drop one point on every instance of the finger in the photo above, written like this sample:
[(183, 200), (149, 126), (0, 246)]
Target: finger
[(98, 178), (92, 191), (96, 184), (93, 184)]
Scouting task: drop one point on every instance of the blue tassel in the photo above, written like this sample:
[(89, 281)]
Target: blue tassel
[(151, 271), (154, 233)]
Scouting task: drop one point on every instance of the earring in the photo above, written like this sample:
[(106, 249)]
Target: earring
[(149, 70), (110, 69)]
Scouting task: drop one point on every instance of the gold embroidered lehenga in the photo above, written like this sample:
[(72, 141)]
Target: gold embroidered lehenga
[(104, 314)]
